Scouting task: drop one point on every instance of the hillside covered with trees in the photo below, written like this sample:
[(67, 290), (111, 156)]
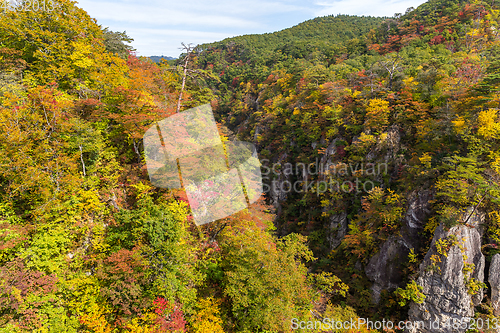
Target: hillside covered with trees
[(379, 143), (399, 126)]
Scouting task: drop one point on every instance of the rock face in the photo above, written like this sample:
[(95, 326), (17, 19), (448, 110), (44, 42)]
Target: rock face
[(444, 278), (388, 147), (337, 229), (385, 268), (279, 184), (418, 209), (416, 217), (494, 280), (329, 152)]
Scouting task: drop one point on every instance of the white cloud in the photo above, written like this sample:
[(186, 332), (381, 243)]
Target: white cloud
[(150, 41), (226, 13), (241, 7), (367, 8), (150, 14), (182, 33)]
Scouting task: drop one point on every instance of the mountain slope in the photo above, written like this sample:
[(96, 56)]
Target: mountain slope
[(327, 29), (398, 110)]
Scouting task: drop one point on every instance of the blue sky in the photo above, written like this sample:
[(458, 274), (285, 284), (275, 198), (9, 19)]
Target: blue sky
[(159, 27)]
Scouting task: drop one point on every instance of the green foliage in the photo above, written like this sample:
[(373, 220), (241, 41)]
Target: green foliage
[(115, 43), (412, 293), (264, 277), (329, 283), (461, 186), (381, 215)]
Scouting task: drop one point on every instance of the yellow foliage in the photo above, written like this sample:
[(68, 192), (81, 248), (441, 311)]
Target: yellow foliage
[(377, 114), (351, 93), (110, 76), (81, 54), (426, 160), (383, 137), (489, 128), (142, 189), (494, 227), (138, 325), (495, 165), (367, 138), (285, 81), (410, 82), (207, 319), (459, 125), (432, 225), (94, 321), (179, 210), (364, 143), (85, 294), (89, 201)]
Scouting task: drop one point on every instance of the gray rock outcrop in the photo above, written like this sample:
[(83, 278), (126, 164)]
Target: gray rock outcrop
[(337, 229), (279, 184), (494, 280), (445, 279), (385, 268)]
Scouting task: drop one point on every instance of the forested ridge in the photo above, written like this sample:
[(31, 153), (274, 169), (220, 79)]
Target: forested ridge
[(394, 120)]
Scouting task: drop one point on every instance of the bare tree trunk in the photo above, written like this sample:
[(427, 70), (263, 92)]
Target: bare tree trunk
[(188, 49), (183, 84), (83, 163), (137, 150)]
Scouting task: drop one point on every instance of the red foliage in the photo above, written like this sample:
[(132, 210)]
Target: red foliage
[(374, 47), (169, 316), (11, 59), (87, 107), (340, 151), (235, 82), (123, 277), (439, 39), (7, 241), (19, 282)]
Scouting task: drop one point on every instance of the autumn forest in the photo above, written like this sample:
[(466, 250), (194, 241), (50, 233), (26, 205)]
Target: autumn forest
[(407, 107)]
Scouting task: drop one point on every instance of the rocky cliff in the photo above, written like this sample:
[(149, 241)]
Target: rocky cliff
[(452, 276)]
